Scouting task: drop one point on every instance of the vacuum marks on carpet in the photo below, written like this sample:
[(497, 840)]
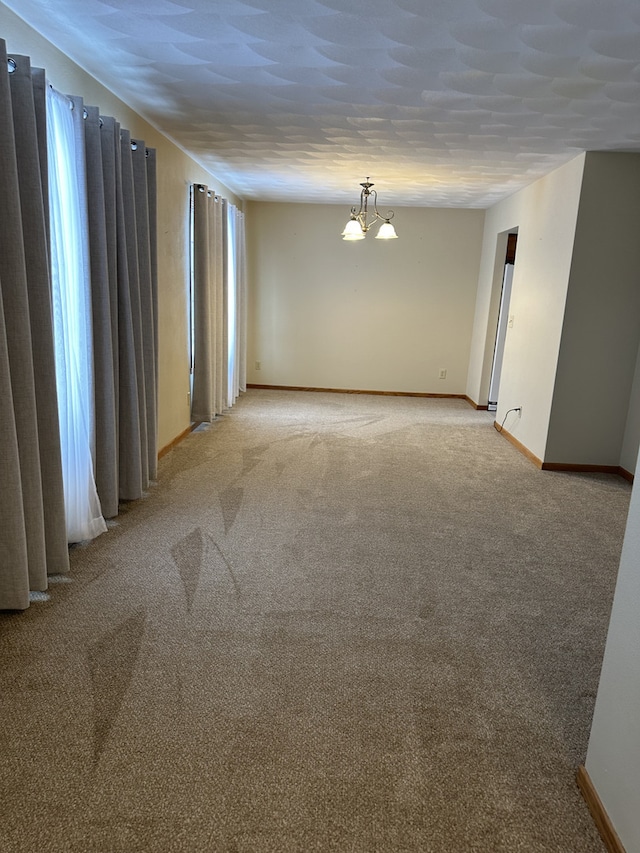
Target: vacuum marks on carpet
[(187, 555), (251, 456), (230, 502), (112, 660)]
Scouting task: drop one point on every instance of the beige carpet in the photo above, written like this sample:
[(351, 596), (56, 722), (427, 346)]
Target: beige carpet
[(337, 623)]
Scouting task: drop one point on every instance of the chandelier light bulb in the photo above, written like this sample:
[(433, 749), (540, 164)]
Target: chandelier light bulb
[(386, 231), (353, 230)]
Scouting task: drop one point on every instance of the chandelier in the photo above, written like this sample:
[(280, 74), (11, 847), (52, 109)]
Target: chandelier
[(362, 220)]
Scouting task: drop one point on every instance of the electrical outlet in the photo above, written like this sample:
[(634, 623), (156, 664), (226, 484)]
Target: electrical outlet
[(258, 365), (443, 373)]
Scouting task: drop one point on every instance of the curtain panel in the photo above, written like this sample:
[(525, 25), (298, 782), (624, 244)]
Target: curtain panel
[(238, 320), (71, 298), (120, 231), (123, 241), (208, 397), (219, 304), (32, 534)]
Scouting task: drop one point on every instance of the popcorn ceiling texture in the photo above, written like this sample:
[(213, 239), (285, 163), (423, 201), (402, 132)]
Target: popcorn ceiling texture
[(441, 102)]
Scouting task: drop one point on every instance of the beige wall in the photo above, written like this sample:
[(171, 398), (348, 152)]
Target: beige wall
[(176, 171), (371, 315), (545, 214), (570, 354)]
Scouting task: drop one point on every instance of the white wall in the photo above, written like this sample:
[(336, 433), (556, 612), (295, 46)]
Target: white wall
[(371, 315), (613, 757), (631, 440), (176, 171), (545, 214)]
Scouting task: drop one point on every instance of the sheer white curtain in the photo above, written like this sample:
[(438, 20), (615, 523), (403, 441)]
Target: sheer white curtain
[(71, 299), (231, 306), (236, 317), (241, 301)]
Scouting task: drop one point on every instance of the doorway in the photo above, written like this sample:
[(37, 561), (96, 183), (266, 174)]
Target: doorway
[(503, 322)]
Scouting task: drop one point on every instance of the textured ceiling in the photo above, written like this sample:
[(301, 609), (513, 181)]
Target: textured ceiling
[(441, 102)]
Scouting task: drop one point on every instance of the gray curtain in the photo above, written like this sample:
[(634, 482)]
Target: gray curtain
[(125, 285), (33, 531), (209, 305), (105, 457), (123, 231), (202, 396), (133, 272), (148, 304), (152, 197), (121, 183), (222, 301)]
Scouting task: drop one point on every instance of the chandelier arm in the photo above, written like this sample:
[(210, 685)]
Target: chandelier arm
[(376, 213), (374, 194), (364, 213)]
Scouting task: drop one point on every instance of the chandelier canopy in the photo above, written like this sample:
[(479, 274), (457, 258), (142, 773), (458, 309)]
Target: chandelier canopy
[(362, 220)]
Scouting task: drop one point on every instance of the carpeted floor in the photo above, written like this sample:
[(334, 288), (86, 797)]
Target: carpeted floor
[(337, 623)]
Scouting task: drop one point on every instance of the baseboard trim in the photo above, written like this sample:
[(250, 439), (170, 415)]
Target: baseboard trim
[(169, 447), (626, 474), (355, 391), (518, 445), (587, 469), (569, 467), (476, 406), (598, 812)]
